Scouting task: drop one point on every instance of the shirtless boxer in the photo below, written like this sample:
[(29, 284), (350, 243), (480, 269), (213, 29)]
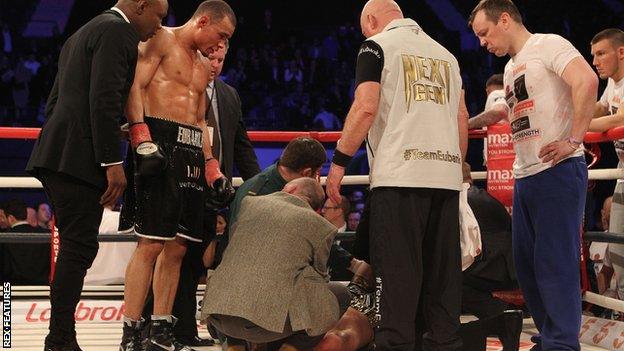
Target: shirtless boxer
[(168, 133)]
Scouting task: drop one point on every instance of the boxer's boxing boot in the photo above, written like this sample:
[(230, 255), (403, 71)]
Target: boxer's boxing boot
[(161, 336), (131, 339)]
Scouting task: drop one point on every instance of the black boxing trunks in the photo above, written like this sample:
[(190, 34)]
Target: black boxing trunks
[(172, 203)]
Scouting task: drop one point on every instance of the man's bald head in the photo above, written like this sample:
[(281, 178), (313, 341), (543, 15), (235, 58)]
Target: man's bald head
[(376, 15), (308, 189), (145, 15)]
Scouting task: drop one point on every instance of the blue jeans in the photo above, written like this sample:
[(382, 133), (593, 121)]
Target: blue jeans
[(547, 214)]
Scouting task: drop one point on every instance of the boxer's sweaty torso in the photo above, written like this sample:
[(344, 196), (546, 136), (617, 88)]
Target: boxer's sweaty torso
[(176, 90)]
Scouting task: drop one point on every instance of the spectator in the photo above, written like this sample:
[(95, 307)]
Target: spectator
[(4, 222), (599, 252), (21, 91), (23, 263), (359, 207), (336, 214), (7, 40), (293, 73), (356, 196), (330, 47), (353, 219), (341, 263), (44, 215), (31, 217), (325, 120), (32, 64)]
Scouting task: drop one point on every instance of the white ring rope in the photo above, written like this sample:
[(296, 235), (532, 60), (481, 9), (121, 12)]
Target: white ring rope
[(94, 290), (604, 301), (594, 174)]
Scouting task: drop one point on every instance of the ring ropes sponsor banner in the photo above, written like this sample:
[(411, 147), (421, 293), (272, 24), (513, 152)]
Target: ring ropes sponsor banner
[(38, 311), (500, 158), (88, 311)]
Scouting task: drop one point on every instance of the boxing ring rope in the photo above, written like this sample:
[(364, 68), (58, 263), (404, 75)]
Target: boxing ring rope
[(326, 137)]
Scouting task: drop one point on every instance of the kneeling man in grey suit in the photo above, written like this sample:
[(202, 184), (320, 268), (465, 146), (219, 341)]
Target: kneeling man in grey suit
[(272, 283)]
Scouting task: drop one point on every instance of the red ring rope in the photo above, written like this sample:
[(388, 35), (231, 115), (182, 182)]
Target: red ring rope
[(325, 137)]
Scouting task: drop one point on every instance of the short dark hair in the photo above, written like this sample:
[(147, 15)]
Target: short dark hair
[(302, 153), (493, 10), (217, 9), (16, 208), (495, 79), (614, 35)]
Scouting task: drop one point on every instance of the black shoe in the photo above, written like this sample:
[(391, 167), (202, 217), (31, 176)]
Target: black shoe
[(215, 334), (161, 337), (510, 330), (74, 345), (69, 346), (195, 341), (132, 340), (65, 347)]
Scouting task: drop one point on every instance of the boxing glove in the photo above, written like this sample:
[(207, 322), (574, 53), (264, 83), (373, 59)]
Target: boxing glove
[(220, 191), (150, 160)]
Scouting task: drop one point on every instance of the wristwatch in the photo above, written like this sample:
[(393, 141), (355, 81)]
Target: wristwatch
[(574, 143)]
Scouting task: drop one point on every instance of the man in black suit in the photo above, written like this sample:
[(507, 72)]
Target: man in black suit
[(24, 263), (78, 154), (231, 146)]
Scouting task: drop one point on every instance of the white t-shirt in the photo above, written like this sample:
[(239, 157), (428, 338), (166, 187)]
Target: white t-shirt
[(496, 98), (540, 100), (611, 100)]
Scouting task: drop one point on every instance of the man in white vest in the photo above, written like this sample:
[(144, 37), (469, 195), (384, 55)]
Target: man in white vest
[(407, 98), (551, 92)]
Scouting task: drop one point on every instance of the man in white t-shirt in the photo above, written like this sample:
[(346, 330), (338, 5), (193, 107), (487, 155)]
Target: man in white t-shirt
[(608, 50), (551, 91)]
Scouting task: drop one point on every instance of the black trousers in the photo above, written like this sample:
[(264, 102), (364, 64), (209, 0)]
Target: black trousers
[(415, 253), (78, 212), (477, 296), (192, 268)]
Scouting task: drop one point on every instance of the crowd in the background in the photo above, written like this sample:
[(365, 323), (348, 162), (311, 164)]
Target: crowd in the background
[(287, 79), (15, 212)]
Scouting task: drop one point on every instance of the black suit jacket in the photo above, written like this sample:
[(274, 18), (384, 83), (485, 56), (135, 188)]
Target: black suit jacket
[(25, 263), (236, 149), (95, 73)]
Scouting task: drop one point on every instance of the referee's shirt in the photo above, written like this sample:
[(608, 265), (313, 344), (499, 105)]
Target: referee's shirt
[(414, 141)]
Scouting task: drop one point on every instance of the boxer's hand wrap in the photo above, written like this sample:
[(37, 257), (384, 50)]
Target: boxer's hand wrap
[(220, 191), (149, 158), (213, 172)]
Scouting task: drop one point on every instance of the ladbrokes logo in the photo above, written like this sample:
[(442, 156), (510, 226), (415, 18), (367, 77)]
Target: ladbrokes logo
[(439, 155), (426, 79), (37, 314)]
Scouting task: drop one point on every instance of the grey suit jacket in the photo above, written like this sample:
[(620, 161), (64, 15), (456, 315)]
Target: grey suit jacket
[(276, 267)]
